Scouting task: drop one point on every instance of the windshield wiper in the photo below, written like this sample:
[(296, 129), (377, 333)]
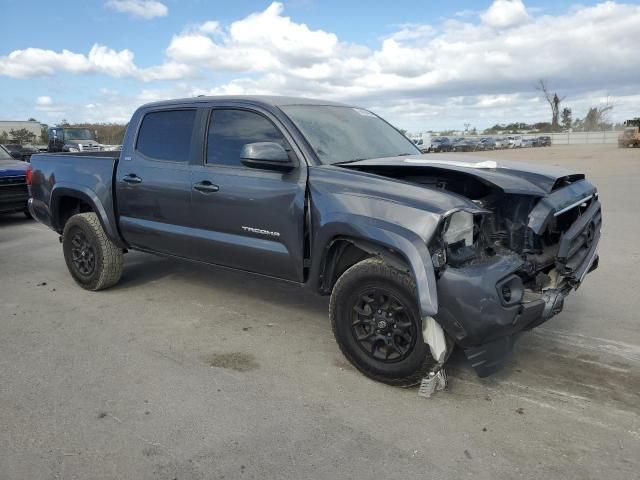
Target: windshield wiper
[(350, 161)]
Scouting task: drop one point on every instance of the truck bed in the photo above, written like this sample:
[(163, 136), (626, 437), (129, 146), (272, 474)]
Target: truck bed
[(88, 175)]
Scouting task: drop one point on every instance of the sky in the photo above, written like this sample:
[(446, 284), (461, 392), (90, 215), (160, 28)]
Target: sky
[(422, 65)]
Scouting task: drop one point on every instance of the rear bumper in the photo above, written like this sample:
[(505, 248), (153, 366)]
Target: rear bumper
[(484, 307)]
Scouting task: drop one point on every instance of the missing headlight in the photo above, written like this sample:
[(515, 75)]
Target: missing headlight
[(459, 228), (459, 237)]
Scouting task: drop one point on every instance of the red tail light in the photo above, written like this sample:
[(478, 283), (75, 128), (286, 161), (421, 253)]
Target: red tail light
[(29, 175)]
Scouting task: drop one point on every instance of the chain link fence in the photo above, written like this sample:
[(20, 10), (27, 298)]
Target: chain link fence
[(579, 138)]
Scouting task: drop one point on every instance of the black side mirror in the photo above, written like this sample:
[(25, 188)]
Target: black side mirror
[(266, 155)]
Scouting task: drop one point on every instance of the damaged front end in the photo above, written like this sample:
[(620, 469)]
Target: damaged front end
[(508, 270), (505, 264)]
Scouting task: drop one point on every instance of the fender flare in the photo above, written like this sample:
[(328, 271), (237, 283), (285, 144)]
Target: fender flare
[(374, 236), (88, 196)]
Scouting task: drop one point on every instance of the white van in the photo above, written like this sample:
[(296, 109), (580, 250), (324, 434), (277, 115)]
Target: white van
[(515, 141)]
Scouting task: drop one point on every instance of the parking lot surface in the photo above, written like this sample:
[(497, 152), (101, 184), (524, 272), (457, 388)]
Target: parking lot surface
[(192, 372)]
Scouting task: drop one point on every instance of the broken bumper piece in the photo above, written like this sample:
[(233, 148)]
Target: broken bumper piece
[(485, 309)]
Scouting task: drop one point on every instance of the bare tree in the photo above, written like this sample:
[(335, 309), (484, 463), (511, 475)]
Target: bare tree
[(598, 117), (554, 102)]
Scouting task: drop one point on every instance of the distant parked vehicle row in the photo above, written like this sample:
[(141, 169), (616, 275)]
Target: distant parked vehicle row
[(475, 144)]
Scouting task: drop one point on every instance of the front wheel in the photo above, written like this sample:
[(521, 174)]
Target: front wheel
[(377, 325), (93, 260)]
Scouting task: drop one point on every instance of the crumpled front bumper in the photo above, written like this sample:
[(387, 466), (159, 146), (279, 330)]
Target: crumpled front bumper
[(483, 306)]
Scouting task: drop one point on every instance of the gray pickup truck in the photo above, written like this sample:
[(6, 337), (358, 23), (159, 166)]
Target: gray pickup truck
[(419, 253)]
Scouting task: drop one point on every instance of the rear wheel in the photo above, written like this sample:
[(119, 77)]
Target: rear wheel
[(377, 325), (93, 260)]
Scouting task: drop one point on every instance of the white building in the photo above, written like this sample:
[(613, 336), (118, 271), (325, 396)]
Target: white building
[(7, 126)]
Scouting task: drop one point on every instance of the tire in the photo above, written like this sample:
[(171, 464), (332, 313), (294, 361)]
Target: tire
[(93, 260), (409, 358), (27, 214)]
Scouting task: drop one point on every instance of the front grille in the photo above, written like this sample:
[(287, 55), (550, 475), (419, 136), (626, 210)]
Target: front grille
[(90, 148), (13, 180), (579, 241)]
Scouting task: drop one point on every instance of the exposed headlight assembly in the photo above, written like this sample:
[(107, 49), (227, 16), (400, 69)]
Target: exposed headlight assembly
[(458, 229), (458, 238)]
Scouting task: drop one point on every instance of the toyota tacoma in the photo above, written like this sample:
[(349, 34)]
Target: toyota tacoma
[(418, 253)]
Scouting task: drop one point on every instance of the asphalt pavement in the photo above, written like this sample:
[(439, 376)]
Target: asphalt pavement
[(184, 371)]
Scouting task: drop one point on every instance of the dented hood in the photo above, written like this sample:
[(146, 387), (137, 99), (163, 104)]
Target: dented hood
[(510, 177)]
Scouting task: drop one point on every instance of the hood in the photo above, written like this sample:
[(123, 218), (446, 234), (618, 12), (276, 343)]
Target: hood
[(510, 177), (10, 168)]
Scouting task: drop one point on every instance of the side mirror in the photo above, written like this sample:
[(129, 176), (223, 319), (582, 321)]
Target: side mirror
[(266, 155)]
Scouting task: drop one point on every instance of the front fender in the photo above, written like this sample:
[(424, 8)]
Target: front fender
[(406, 243), (105, 213)]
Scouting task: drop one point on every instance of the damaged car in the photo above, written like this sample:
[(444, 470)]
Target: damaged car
[(418, 253)]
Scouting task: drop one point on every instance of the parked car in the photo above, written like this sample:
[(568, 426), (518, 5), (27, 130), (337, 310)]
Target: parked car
[(440, 144), (528, 142), (420, 143), (72, 139), (515, 141), (501, 142), (544, 141), (467, 145), (20, 152), (488, 143), (417, 254), (13, 184)]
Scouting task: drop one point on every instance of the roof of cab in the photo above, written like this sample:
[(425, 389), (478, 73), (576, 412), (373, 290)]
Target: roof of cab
[(264, 100)]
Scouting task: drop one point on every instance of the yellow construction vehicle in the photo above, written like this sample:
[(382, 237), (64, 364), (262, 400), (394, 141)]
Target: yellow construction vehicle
[(630, 136)]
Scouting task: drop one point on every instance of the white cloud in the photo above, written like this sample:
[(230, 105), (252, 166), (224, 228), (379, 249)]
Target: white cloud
[(464, 68), (505, 13), (210, 27), (146, 9), (33, 62), (44, 100)]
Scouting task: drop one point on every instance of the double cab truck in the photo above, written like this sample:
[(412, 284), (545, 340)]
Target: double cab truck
[(419, 253)]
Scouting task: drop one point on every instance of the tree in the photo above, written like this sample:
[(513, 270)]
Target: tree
[(598, 117), (31, 119), (566, 118), (554, 102), (4, 138), (44, 133), (22, 136), (63, 123)]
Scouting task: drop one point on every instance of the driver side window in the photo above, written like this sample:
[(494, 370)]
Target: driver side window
[(230, 130)]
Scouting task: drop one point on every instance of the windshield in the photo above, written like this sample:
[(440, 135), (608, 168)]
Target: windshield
[(77, 134), (4, 155), (346, 134)]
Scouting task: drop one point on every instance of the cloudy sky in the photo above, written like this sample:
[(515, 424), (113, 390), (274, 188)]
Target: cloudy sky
[(421, 64)]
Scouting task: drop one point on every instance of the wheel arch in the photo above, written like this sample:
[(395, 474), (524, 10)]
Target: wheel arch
[(66, 201), (406, 252)]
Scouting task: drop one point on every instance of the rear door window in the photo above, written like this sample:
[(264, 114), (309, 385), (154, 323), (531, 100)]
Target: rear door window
[(166, 135)]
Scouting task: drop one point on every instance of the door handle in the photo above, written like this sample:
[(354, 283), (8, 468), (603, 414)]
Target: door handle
[(206, 187), (132, 178)]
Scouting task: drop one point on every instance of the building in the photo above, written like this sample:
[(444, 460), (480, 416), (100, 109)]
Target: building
[(7, 126)]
